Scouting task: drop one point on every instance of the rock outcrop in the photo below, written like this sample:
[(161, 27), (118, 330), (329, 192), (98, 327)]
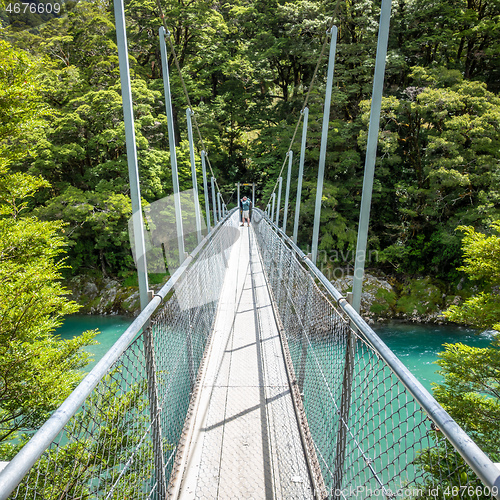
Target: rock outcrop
[(416, 300), (99, 295), (383, 298)]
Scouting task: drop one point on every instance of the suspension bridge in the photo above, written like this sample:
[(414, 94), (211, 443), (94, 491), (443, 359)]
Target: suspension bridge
[(248, 375)]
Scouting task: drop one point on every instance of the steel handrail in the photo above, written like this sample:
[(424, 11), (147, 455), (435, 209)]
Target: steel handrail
[(20, 465), (479, 462)]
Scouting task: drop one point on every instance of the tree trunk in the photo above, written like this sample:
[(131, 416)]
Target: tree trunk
[(103, 266)]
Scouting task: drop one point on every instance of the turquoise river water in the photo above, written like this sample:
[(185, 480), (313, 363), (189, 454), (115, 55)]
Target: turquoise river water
[(416, 345)]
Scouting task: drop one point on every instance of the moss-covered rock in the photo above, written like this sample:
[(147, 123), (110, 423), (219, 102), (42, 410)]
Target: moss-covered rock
[(420, 299), (100, 295), (377, 298), (384, 303)]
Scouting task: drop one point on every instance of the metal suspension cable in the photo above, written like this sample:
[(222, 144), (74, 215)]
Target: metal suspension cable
[(186, 93), (306, 100)]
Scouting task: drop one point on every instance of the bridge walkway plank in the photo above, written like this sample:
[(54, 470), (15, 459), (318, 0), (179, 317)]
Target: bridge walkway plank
[(243, 441)]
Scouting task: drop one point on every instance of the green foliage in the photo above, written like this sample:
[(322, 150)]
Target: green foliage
[(97, 228), (33, 304), (21, 17), (448, 477), (470, 391), (461, 35), (85, 145), (482, 264), (21, 106), (440, 158), (73, 467), (385, 300), (419, 296), (153, 279), (247, 68), (38, 370), (481, 254)]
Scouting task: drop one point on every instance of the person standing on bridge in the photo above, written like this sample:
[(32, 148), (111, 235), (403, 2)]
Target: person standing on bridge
[(245, 206)]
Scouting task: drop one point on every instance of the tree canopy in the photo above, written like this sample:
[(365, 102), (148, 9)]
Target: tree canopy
[(470, 390), (248, 67), (37, 369)]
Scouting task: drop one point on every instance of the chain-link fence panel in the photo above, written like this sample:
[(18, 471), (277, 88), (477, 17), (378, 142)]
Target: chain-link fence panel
[(122, 441), (366, 433), (371, 437)]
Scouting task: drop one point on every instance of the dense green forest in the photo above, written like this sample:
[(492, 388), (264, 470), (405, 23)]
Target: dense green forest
[(248, 66)]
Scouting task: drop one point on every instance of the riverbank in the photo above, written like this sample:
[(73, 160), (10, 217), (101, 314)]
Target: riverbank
[(417, 345), (413, 300), (384, 298), (106, 296)]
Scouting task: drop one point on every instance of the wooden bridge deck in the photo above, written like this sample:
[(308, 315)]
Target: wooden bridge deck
[(243, 439)]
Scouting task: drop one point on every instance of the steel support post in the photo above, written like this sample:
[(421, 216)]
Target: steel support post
[(155, 411), (214, 206), (205, 190), (301, 174), (303, 339), (287, 189), (189, 349), (219, 205), (272, 209), (324, 139), (197, 214), (171, 142), (238, 203), (345, 404), (133, 170), (371, 152), (280, 182)]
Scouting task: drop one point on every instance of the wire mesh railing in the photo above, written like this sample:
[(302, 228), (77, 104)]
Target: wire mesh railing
[(375, 431), (369, 428), (117, 435)]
